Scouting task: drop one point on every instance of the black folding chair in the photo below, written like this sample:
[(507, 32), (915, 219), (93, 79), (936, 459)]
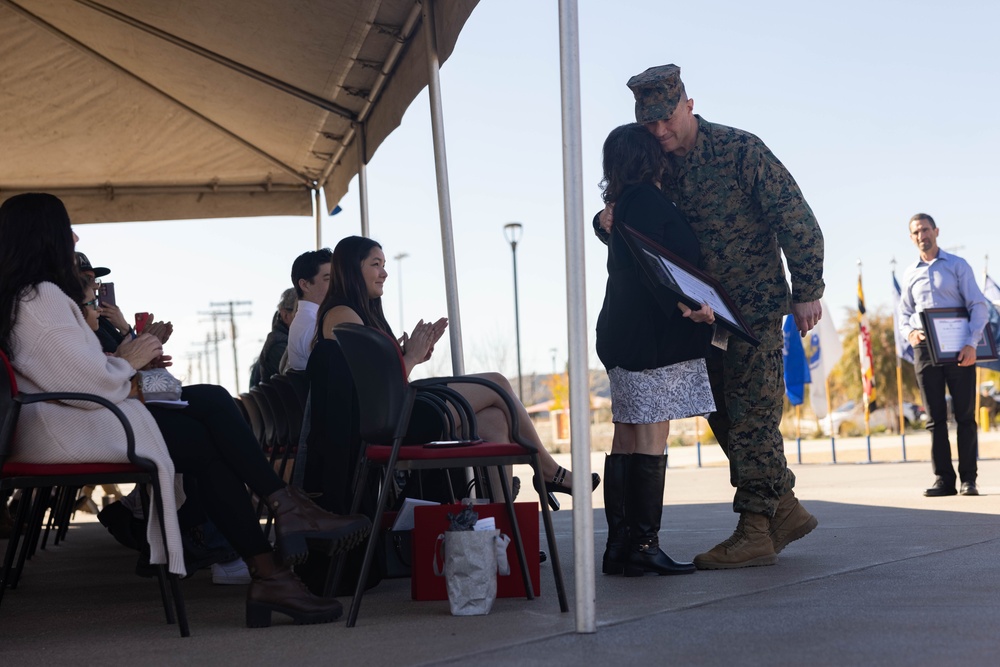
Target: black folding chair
[(386, 401)]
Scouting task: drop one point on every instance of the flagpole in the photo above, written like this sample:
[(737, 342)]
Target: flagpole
[(798, 430), (697, 437), (868, 433), (829, 415), (899, 377), (979, 416), (979, 370), (899, 396)]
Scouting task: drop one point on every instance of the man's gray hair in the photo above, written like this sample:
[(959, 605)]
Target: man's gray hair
[(288, 298)]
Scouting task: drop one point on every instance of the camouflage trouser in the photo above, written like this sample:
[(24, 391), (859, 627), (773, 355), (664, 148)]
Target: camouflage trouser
[(748, 385)]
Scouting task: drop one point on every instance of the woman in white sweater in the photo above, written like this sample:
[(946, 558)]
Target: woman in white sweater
[(53, 349)]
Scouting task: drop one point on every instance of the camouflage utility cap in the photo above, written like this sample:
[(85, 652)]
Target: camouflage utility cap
[(657, 92)]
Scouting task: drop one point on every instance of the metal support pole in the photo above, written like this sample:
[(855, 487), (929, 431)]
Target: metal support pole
[(362, 178), (517, 330), (576, 315), (444, 192), (512, 232), (319, 220)]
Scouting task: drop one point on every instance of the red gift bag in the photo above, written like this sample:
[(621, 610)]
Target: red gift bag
[(432, 520)]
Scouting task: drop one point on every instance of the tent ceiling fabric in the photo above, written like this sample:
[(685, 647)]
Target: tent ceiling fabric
[(150, 110)]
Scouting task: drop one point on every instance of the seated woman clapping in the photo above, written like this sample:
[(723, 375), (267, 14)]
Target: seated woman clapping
[(355, 295), (52, 348)]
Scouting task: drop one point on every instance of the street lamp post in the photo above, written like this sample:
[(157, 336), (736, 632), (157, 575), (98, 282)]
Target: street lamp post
[(399, 289), (512, 232)]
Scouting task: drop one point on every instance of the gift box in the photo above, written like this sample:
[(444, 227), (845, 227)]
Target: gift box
[(431, 521)]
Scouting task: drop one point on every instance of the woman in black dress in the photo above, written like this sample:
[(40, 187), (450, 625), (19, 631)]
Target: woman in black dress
[(655, 358), (355, 295)]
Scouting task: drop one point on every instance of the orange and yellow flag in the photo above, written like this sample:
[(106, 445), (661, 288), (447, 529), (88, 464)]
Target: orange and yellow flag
[(865, 350)]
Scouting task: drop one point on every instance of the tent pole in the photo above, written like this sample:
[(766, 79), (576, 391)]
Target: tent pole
[(362, 177), (576, 316), (444, 193), (319, 219)]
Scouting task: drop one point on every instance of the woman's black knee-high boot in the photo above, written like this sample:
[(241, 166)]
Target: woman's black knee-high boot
[(615, 481), (643, 509)]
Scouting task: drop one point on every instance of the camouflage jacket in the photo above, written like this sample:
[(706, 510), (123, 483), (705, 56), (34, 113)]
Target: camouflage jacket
[(746, 208)]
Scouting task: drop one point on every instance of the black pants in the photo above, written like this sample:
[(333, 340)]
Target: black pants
[(961, 384), (211, 441)]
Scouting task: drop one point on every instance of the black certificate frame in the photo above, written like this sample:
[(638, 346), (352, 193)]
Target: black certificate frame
[(934, 321), (674, 279)]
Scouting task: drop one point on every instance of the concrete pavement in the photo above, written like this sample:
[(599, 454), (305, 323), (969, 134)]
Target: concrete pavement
[(888, 578)]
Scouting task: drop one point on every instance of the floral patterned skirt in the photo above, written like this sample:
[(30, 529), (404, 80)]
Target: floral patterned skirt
[(660, 394)]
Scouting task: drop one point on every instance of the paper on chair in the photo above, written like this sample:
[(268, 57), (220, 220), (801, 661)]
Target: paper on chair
[(404, 520)]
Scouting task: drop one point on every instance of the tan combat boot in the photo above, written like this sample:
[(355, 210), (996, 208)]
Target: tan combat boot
[(790, 522), (749, 546)]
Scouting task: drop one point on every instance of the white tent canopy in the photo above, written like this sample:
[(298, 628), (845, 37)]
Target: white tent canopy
[(148, 110), (136, 110)]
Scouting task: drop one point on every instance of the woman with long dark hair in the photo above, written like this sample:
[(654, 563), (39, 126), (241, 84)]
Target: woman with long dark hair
[(355, 295), (51, 348), (655, 359)]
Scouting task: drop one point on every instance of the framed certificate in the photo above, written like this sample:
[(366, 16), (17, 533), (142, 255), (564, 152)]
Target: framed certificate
[(947, 330), (675, 280)]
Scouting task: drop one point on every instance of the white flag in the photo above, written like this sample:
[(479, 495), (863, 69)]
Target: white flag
[(823, 351)]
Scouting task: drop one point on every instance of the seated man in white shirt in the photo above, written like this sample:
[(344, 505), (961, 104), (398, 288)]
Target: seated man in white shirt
[(310, 277)]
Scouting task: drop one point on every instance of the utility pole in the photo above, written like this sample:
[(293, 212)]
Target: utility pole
[(201, 369), (209, 340), (231, 313), (214, 339)]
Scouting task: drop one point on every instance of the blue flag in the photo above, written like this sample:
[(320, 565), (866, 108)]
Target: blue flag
[(903, 348), (796, 368), (992, 294)]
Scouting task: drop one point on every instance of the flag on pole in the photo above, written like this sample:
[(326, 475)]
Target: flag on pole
[(991, 290), (796, 368), (865, 350), (823, 350), (903, 348), (992, 293)]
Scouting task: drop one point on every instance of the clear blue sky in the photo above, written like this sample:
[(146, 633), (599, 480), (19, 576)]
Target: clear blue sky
[(880, 109)]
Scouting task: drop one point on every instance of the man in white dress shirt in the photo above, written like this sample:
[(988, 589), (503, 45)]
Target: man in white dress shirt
[(311, 278)]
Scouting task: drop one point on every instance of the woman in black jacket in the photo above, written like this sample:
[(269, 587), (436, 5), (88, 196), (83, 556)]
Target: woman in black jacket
[(655, 358)]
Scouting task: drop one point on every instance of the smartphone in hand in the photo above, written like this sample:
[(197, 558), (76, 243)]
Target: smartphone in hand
[(141, 320), (106, 294)]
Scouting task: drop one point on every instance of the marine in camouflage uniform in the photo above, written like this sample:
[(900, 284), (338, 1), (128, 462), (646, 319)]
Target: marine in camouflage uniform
[(746, 209)]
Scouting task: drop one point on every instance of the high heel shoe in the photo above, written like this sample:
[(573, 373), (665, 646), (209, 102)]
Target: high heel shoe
[(274, 587), (555, 485)]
